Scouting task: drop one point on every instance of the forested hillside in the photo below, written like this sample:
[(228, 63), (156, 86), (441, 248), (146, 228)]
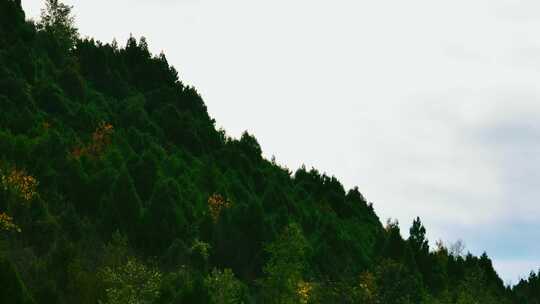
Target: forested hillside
[(116, 187)]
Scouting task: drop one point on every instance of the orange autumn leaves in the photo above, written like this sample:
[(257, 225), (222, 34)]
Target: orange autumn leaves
[(101, 138), (217, 203), (23, 186)]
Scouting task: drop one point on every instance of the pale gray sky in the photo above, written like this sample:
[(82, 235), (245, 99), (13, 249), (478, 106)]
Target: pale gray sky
[(431, 107)]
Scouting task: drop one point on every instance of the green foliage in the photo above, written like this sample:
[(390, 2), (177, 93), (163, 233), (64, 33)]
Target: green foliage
[(417, 237), (472, 289), (528, 291), (13, 289), (51, 99), (199, 252), (124, 208), (164, 219), (286, 265), (116, 251), (72, 83), (367, 290), (397, 284), (224, 288)]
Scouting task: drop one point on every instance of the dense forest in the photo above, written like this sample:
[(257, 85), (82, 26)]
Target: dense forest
[(116, 187)]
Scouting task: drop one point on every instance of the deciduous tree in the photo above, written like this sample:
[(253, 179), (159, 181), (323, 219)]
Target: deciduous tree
[(285, 267), (58, 19)]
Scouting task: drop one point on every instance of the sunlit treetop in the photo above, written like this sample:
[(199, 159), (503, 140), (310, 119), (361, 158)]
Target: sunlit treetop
[(57, 19)]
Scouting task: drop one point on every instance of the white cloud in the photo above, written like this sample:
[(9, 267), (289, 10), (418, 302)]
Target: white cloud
[(516, 269)]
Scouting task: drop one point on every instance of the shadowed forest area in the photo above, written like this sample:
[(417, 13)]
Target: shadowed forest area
[(116, 187)]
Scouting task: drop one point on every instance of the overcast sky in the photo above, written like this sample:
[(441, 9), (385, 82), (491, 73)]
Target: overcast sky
[(431, 107)]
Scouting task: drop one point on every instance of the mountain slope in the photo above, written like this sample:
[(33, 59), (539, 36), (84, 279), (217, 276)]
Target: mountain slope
[(117, 187)]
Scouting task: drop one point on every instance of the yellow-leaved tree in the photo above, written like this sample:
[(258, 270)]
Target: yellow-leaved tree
[(19, 183), (131, 283), (6, 223)]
